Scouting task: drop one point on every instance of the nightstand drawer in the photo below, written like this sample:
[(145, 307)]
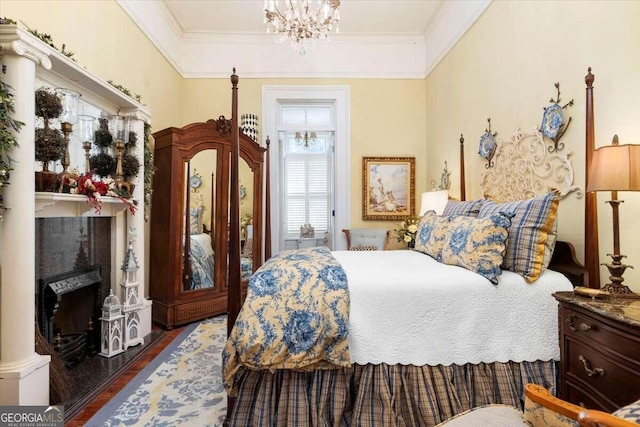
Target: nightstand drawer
[(605, 376), (598, 334), (577, 396)]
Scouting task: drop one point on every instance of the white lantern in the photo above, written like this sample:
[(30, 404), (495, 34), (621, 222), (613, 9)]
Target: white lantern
[(111, 326)]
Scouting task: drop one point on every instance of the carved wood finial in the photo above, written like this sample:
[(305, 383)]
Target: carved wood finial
[(461, 139), (268, 141), (588, 79), (234, 78), (224, 127)]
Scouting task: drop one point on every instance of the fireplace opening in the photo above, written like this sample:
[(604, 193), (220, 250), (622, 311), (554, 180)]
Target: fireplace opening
[(69, 310)]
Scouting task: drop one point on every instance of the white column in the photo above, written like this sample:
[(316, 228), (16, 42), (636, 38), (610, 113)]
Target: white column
[(24, 374)]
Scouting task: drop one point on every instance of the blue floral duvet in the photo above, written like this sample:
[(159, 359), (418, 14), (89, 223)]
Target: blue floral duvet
[(294, 317)]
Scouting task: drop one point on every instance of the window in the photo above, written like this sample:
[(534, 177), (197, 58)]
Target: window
[(278, 104), (307, 183)]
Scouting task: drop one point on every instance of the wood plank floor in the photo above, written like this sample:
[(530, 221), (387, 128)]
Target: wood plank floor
[(81, 418)]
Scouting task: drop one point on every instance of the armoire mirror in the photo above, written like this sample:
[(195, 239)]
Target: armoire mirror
[(198, 262)]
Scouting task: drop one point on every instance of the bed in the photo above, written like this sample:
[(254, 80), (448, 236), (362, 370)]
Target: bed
[(405, 338)]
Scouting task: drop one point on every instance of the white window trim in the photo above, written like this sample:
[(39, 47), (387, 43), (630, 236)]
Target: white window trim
[(272, 95)]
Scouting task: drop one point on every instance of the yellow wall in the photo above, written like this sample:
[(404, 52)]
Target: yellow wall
[(505, 67), (106, 42)]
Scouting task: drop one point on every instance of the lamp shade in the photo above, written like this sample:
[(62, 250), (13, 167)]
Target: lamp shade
[(615, 168), (434, 201)]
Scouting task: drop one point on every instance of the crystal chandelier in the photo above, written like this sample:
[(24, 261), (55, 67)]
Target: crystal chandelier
[(300, 23), (308, 139)]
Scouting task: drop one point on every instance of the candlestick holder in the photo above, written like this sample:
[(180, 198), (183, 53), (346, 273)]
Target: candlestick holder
[(86, 134), (70, 102), (119, 128), (66, 128)]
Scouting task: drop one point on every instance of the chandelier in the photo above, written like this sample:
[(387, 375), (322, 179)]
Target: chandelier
[(308, 139), (300, 23)]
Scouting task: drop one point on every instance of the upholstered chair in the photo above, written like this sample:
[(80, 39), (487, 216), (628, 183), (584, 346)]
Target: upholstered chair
[(367, 239), (541, 409)]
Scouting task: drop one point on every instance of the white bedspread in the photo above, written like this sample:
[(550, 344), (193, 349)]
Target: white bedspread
[(407, 308)]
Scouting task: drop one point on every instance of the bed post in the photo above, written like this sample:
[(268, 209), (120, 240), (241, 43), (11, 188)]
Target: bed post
[(267, 202), (591, 245), (463, 193), (186, 256), (234, 297)]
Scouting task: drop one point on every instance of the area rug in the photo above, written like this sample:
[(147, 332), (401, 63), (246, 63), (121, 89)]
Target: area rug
[(181, 386)]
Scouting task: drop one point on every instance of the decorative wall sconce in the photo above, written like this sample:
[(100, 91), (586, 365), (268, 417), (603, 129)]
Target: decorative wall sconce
[(487, 146)]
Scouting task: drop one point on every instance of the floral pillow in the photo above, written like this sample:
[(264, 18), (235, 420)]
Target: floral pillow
[(195, 220), (532, 235), (431, 233), (477, 244)]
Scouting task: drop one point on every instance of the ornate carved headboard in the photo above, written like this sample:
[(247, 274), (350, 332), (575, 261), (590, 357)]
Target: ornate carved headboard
[(524, 167)]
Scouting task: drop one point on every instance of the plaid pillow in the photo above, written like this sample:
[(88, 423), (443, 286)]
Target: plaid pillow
[(532, 235), (431, 233), (477, 244), (466, 208)]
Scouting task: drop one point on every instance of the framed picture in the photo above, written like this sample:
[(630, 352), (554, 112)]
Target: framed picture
[(388, 187)]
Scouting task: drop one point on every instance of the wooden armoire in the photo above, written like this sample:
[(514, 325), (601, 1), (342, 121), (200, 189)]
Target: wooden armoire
[(192, 163)]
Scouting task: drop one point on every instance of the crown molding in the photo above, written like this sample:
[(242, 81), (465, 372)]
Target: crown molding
[(209, 55)]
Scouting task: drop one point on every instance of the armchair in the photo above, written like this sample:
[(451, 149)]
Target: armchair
[(367, 239), (541, 409)]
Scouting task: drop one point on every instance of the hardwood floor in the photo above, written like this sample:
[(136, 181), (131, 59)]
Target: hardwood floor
[(81, 418)]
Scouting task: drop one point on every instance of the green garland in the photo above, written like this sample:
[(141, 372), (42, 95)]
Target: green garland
[(8, 129), (149, 168)]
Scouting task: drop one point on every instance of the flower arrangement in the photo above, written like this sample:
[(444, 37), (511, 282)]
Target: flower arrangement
[(407, 231), (95, 188)]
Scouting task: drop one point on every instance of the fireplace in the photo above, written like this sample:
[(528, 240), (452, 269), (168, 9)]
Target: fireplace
[(73, 275), (69, 306)]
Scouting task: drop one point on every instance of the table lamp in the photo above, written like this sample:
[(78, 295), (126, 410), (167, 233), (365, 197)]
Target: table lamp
[(434, 200), (616, 168)]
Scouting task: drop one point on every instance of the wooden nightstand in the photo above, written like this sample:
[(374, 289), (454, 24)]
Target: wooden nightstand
[(599, 351)]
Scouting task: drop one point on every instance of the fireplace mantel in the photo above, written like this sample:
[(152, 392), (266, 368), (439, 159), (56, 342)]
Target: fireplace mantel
[(51, 205)]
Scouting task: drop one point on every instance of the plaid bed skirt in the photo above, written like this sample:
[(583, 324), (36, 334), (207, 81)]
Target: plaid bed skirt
[(382, 395)]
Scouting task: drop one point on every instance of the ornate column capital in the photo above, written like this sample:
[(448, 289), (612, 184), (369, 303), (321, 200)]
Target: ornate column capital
[(15, 40)]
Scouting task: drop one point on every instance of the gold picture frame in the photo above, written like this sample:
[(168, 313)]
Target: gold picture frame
[(388, 188)]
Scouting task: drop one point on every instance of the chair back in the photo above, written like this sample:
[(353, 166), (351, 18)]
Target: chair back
[(367, 239)]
